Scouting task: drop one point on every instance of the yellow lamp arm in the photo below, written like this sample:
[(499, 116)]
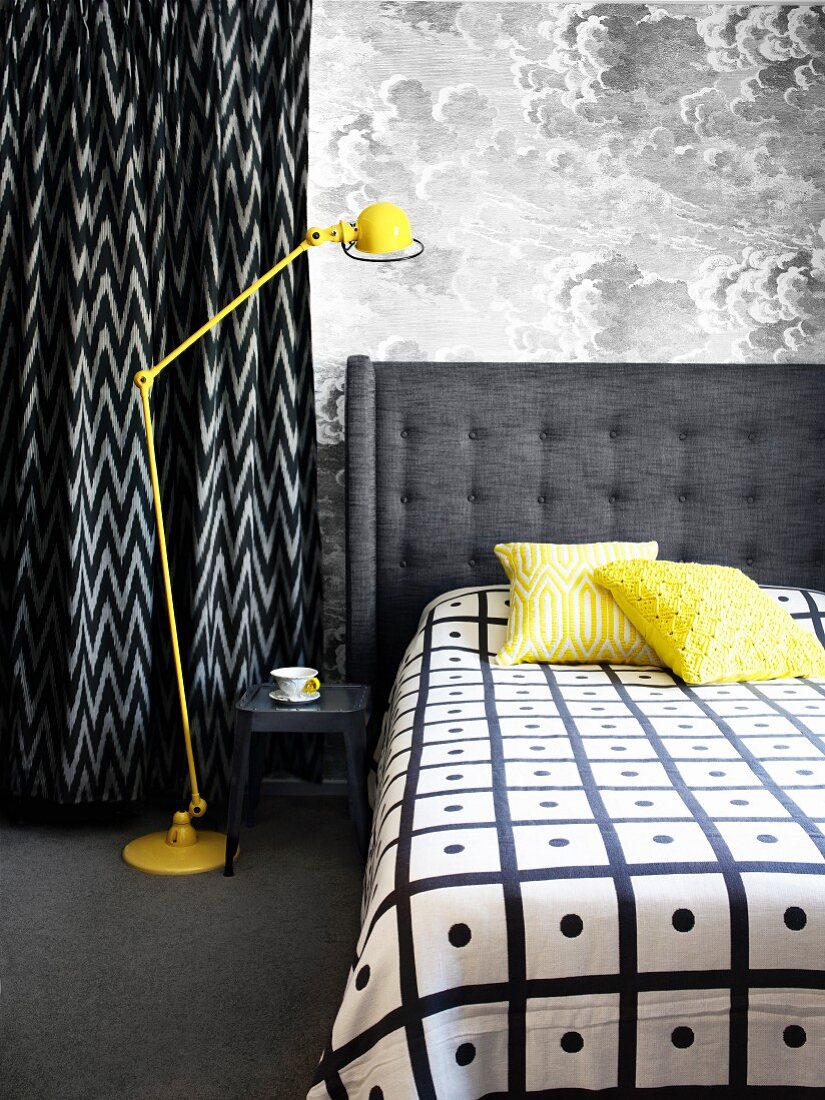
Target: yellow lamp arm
[(342, 233)]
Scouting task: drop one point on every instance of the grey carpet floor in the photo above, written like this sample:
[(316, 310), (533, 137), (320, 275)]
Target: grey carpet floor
[(123, 986)]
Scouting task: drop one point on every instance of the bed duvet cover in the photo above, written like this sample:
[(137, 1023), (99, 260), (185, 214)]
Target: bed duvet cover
[(587, 878)]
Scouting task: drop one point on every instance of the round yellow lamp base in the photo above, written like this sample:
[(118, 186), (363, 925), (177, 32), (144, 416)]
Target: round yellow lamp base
[(180, 851)]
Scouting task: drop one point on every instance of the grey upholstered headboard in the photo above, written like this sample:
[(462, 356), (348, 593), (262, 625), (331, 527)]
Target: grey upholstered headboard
[(718, 463)]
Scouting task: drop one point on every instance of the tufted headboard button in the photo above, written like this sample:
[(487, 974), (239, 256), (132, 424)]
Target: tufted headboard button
[(751, 436), (472, 498), (404, 433), (473, 434), (542, 436), (541, 500), (749, 500), (403, 564), (682, 498), (472, 563), (405, 500), (611, 500), (613, 434), (748, 561), (683, 436)]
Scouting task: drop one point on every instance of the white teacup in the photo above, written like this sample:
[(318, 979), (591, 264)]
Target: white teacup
[(295, 682)]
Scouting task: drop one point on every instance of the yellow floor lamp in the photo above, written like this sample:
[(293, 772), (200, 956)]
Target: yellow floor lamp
[(381, 232)]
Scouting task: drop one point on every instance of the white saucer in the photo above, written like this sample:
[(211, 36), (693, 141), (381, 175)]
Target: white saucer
[(279, 697)]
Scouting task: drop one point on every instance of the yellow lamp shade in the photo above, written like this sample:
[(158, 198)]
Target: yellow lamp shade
[(383, 227)]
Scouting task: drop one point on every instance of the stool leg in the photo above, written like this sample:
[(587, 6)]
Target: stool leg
[(240, 771), (355, 741), (255, 778)]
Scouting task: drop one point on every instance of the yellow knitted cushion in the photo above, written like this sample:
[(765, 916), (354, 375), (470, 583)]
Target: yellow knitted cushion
[(712, 624), (558, 612)]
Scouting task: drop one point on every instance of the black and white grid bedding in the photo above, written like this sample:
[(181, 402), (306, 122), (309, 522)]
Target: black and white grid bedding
[(587, 877)]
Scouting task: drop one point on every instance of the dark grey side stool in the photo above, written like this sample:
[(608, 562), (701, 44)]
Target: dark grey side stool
[(342, 708)]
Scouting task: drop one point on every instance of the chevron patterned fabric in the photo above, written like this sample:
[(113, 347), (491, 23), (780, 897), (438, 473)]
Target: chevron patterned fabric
[(154, 163)]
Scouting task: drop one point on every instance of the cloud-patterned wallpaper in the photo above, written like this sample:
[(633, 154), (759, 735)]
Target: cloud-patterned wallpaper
[(593, 182)]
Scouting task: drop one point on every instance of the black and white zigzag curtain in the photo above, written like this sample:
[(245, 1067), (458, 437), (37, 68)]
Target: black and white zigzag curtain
[(152, 164)]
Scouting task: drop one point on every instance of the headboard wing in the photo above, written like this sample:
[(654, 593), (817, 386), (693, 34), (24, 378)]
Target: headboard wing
[(719, 463)]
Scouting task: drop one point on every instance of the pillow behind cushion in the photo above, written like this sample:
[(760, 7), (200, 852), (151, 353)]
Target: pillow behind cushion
[(558, 612), (710, 623)]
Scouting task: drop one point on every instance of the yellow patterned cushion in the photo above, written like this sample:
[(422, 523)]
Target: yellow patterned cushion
[(558, 612), (712, 624)]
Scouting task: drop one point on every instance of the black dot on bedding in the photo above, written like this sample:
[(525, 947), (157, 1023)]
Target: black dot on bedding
[(766, 838), (682, 1037), (558, 842), (571, 925), (453, 849), (455, 752), (454, 808), (548, 805), (618, 748), (536, 748), (541, 773), (795, 918), (662, 838), (571, 1042), (454, 776), (608, 725), (362, 977), (794, 1036), (804, 771), (739, 802), (532, 726), (455, 633), (629, 775), (683, 920), (717, 774), (642, 802), (782, 599), (780, 746), (465, 1054), (376, 1093), (455, 660), (459, 935)]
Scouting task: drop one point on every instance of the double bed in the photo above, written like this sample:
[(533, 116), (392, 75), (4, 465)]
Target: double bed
[(582, 878)]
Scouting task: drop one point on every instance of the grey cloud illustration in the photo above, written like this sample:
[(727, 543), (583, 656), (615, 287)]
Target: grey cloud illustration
[(463, 106), (600, 306), (591, 181), (776, 301)]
